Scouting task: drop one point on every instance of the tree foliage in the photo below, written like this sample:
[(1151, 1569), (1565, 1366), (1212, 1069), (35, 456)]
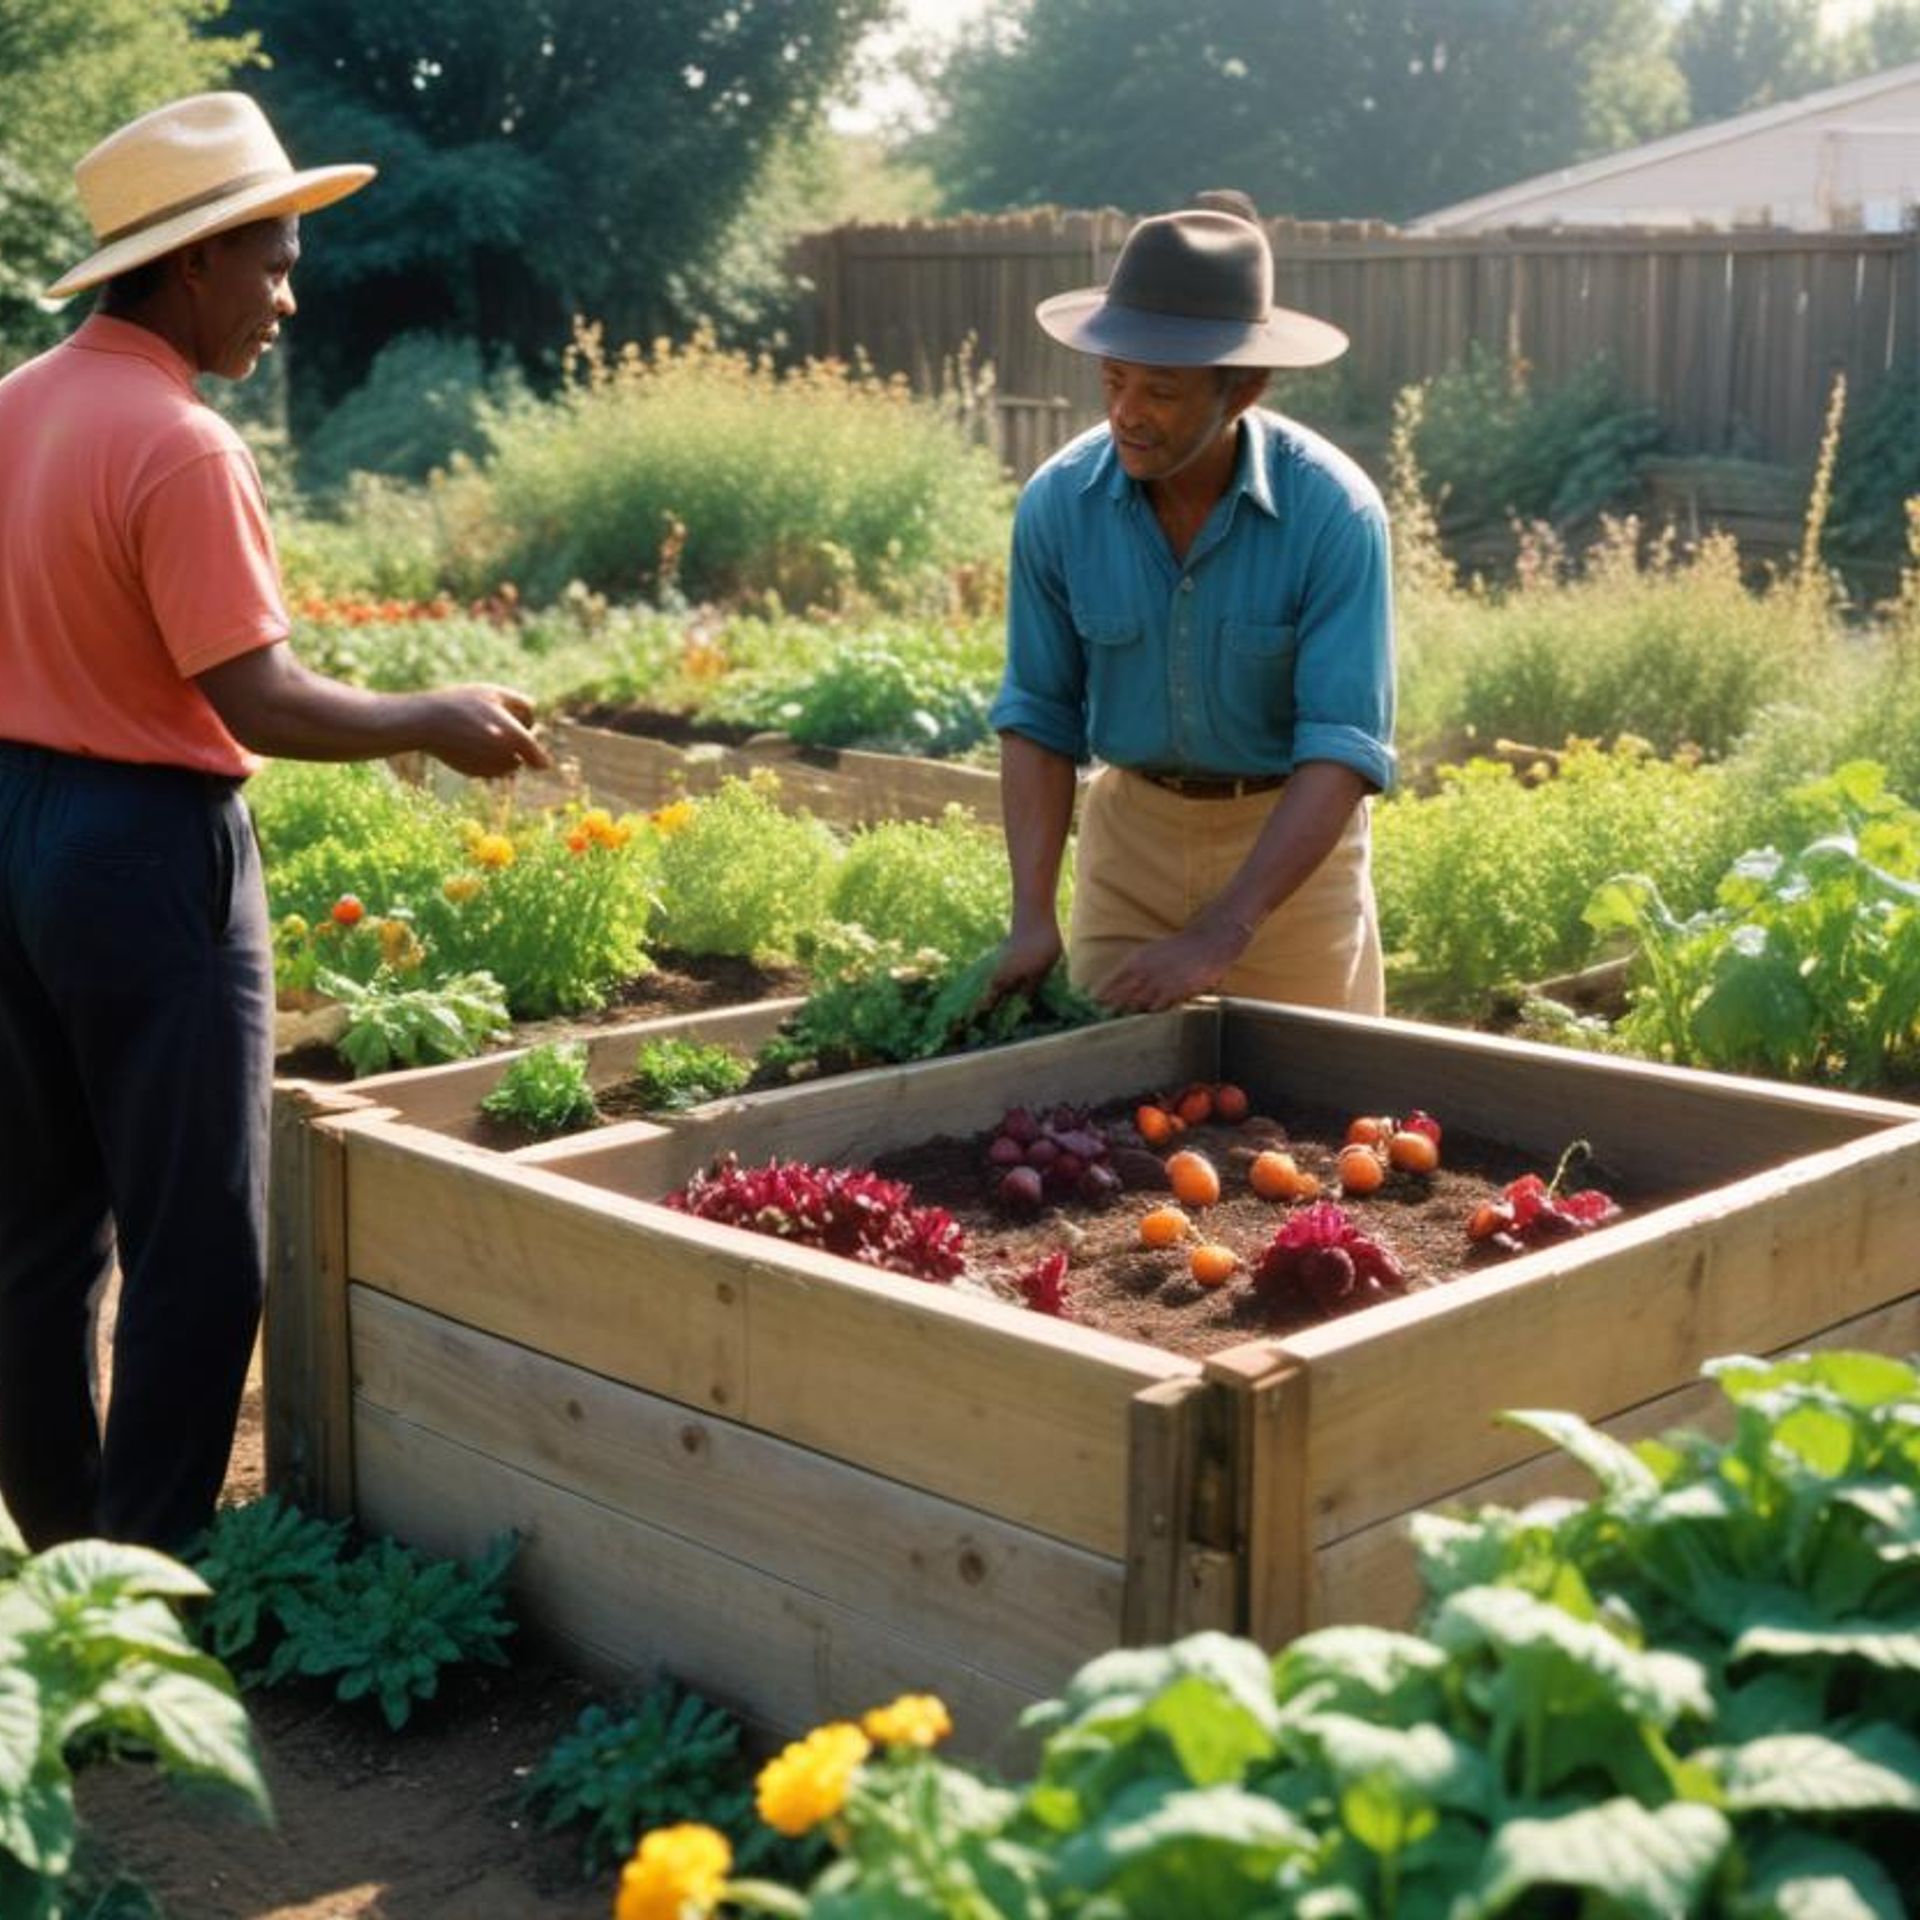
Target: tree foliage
[(537, 161), (70, 72), (1740, 54), (1316, 107)]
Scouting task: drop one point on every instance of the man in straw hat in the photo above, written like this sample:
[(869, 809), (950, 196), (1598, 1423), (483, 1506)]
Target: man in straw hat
[(1200, 600), (143, 666)]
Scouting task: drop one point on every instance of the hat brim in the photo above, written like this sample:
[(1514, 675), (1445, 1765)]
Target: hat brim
[(292, 193), (1088, 322)]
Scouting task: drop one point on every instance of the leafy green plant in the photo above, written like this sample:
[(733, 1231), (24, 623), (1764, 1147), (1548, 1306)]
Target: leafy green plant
[(875, 1003), (674, 1756), (95, 1663), (255, 1557), (1694, 1694), (391, 1024), (671, 1074), (387, 1621), (1808, 964), (546, 1090), (742, 877)]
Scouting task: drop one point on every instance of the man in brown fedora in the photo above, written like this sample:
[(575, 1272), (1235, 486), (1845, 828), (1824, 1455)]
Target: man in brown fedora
[(143, 667), (1200, 601)]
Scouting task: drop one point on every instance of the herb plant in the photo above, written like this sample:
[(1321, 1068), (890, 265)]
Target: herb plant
[(94, 1662), (673, 1757), (255, 1557), (385, 1623), (546, 1091), (671, 1074), (394, 1025)]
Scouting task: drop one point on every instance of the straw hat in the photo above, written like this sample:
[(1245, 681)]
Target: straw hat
[(192, 168), (1191, 289)]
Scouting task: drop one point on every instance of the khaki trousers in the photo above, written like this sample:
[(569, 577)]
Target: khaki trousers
[(1149, 860)]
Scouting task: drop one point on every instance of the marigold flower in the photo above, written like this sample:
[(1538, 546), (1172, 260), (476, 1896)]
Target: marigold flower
[(493, 850), (602, 828), (913, 1720), (347, 911), (676, 1873), (807, 1781), (459, 888), (578, 841), (673, 818)]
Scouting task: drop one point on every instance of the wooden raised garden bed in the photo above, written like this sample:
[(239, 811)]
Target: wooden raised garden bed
[(839, 784), (803, 1485)]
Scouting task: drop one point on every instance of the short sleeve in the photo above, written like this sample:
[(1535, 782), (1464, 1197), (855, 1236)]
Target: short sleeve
[(207, 561), (1043, 695)]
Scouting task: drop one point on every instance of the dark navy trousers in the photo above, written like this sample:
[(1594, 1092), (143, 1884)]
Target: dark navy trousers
[(136, 1059)]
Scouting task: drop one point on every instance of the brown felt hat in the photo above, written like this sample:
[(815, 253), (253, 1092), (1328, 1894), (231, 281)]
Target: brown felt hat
[(1191, 289), (186, 171)]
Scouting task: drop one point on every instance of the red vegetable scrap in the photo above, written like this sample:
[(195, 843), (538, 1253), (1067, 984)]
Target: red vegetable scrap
[(1043, 1286), (853, 1213), (1531, 1211), (1321, 1257), (1059, 1154)]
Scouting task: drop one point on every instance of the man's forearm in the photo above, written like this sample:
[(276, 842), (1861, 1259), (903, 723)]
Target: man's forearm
[(1306, 823), (1036, 808)]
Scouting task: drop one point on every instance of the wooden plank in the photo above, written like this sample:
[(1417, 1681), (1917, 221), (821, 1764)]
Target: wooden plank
[(1161, 1449), (892, 1107), (307, 1379), (971, 1585), (1005, 1410), (446, 1097), (1403, 1393), (1272, 1497), (1373, 1575), (642, 1600), (1652, 1125)]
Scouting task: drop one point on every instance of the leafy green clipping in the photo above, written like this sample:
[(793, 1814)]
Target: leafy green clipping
[(386, 1623)]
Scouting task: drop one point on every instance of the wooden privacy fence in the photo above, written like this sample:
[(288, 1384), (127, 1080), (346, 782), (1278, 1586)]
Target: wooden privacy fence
[(1734, 336)]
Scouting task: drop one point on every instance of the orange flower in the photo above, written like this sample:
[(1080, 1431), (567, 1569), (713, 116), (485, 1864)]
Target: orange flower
[(807, 1781), (493, 850), (347, 910)]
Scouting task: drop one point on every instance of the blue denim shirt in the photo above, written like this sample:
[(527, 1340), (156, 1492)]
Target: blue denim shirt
[(1271, 645)]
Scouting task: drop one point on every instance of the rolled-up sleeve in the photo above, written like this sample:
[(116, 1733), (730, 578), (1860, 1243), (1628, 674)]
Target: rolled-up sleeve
[(1343, 674), (1043, 695)]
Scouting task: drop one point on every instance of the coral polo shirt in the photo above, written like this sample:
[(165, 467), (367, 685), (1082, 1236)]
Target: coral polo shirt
[(134, 553)]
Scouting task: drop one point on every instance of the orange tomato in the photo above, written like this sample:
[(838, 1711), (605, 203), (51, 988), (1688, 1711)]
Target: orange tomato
[(1370, 1130), (1164, 1227), (1212, 1264), (1194, 1180), (1230, 1104), (347, 910), (1413, 1152), (1153, 1124), (1195, 1106), (1273, 1174), (1361, 1169)]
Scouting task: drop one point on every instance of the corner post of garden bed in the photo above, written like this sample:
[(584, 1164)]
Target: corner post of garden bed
[(308, 1372), (1263, 1388), (1180, 1571)]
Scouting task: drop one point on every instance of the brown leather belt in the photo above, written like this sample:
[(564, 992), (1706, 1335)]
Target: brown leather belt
[(1189, 787)]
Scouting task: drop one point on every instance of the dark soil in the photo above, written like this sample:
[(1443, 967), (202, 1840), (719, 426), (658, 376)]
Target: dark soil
[(1148, 1294)]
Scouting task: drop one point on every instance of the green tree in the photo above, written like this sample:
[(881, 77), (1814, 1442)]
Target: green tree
[(1887, 37), (1316, 107), (537, 161), (70, 72), (1740, 54)]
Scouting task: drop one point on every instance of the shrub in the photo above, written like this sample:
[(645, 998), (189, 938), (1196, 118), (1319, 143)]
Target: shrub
[(1487, 881), (694, 470), (943, 886), (739, 876)]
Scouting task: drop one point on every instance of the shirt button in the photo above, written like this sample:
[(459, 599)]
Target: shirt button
[(1186, 584)]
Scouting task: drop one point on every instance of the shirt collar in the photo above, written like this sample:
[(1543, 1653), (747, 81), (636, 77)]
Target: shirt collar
[(1252, 472), (104, 333)]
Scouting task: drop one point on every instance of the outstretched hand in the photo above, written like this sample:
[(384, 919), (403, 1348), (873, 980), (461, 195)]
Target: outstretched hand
[(485, 731)]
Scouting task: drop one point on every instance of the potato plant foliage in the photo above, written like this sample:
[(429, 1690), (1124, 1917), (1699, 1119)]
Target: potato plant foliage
[(1694, 1694), (94, 1665)]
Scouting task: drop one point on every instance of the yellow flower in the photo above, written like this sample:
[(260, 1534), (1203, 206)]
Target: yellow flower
[(602, 828), (493, 850), (914, 1720), (807, 1782), (673, 818), (461, 887), (677, 1873)]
